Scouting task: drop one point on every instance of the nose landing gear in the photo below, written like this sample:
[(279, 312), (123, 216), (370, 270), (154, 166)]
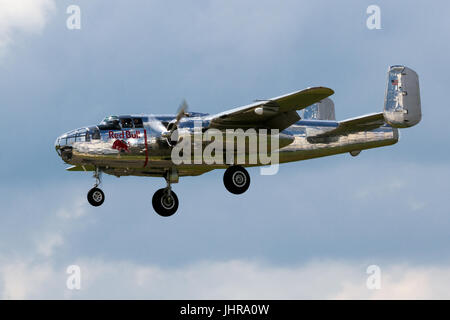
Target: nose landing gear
[(95, 196), (165, 201)]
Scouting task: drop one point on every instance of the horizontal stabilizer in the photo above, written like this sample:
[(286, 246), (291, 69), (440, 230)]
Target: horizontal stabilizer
[(362, 123)]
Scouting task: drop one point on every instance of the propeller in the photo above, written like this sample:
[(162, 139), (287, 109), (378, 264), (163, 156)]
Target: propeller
[(167, 133)]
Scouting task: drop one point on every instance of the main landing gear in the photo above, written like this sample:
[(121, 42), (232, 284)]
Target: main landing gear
[(236, 179), (95, 196), (165, 201)]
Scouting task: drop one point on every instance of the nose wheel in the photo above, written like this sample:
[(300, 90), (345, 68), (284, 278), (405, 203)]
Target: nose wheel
[(236, 179), (165, 202), (95, 196)]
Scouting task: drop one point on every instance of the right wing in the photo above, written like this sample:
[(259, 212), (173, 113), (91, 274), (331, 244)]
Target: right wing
[(276, 113)]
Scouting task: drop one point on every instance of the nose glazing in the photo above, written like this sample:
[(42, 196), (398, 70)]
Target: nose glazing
[(63, 143), (58, 144)]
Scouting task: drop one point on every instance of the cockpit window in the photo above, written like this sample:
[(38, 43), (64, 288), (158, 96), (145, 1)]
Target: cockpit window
[(119, 123), (126, 123), (138, 123), (110, 119), (110, 123)]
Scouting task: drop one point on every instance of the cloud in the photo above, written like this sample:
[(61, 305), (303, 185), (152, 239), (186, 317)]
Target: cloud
[(64, 230), (307, 211), (21, 280), (47, 244), (233, 279), (22, 16), (77, 209)]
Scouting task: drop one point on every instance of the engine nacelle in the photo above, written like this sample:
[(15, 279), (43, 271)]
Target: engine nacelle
[(402, 98)]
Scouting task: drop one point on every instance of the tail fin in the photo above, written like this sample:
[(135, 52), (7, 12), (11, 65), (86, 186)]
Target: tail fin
[(402, 99), (322, 110)]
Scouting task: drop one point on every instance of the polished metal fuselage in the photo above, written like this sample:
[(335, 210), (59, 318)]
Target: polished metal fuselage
[(142, 152)]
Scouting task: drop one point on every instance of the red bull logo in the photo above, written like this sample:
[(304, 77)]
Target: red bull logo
[(120, 145), (125, 135)]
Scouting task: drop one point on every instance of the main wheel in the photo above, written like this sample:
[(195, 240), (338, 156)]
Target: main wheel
[(165, 204), (236, 179), (96, 197)]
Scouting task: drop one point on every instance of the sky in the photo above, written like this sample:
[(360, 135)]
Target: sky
[(310, 231)]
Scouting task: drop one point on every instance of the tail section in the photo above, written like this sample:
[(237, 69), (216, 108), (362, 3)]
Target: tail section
[(402, 99)]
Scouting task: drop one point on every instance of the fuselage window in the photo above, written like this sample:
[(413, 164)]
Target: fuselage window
[(138, 123), (95, 133), (126, 123)]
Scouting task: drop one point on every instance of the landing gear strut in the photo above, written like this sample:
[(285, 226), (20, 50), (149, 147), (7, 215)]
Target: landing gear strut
[(165, 201), (236, 179), (95, 196)]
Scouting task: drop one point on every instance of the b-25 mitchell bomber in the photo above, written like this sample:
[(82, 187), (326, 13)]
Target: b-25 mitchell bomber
[(146, 145)]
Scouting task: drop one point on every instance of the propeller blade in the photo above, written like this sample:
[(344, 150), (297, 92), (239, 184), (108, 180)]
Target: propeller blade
[(181, 111)]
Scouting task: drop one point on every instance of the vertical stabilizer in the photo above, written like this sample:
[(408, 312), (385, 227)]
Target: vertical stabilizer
[(402, 99), (322, 110)]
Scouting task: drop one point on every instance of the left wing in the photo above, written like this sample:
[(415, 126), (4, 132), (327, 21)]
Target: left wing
[(276, 113)]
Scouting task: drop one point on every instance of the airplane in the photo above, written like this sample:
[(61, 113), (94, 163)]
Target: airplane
[(143, 145)]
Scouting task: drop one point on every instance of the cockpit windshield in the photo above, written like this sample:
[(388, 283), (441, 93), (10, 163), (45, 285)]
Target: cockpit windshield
[(122, 122), (110, 119), (110, 123)]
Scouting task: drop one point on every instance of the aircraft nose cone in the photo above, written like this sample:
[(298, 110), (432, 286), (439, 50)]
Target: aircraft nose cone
[(62, 148), (58, 145)]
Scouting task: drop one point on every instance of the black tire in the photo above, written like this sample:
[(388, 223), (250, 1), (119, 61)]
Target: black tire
[(236, 179), (164, 205), (96, 197)]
